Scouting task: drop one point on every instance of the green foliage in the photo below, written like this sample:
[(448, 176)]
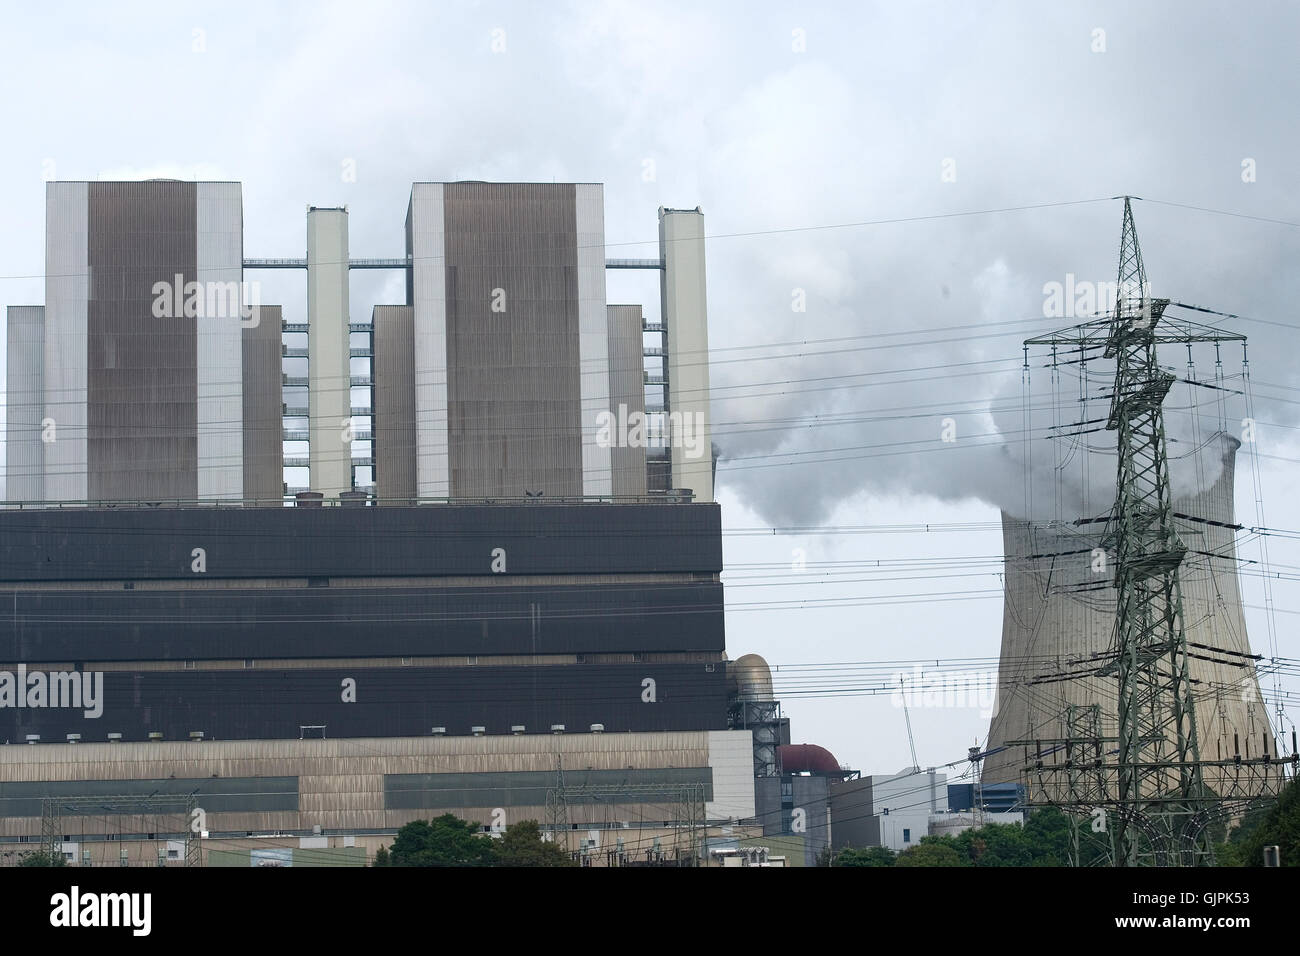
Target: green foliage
[(450, 841), (1045, 839), (444, 841), (932, 851), (522, 845), (42, 858), (867, 856), (1277, 825)]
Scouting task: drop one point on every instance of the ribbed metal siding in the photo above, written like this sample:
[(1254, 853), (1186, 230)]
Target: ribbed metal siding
[(216, 794), (67, 284), (263, 446), (524, 788), (514, 392), (118, 544), (219, 238), (262, 622), (427, 294), (141, 370), (627, 390), (25, 404), (395, 438), (390, 702), (593, 332)]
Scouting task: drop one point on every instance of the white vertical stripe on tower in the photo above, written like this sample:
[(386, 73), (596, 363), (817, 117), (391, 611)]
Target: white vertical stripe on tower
[(429, 285), (329, 397), (593, 332), (219, 364), (67, 291), (25, 404), (685, 311)]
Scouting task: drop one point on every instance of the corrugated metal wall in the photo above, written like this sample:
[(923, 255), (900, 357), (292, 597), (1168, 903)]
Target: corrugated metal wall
[(627, 391), (247, 620), (395, 439), (427, 295), (219, 409), (514, 390), (141, 371), (262, 419), (340, 783), (67, 286), (121, 544), (25, 404), (593, 332), (389, 702)]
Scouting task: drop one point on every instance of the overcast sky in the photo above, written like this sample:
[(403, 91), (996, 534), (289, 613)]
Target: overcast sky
[(809, 137)]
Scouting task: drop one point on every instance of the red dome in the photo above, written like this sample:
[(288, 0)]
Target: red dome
[(806, 758)]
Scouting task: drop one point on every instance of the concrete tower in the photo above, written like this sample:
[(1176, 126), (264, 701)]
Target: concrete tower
[(1059, 617), (329, 401), (685, 311), (511, 358)]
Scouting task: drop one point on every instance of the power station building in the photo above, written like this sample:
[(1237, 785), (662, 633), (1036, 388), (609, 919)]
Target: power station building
[(483, 599)]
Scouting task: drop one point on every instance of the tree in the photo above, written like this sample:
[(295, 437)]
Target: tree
[(444, 841), (1279, 826), (41, 858), (381, 857), (866, 856), (522, 845), (932, 851)]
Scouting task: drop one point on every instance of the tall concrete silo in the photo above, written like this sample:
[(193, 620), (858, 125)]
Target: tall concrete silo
[(1059, 617)]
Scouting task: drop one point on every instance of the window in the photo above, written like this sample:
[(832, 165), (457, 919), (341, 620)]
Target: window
[(907, 835)]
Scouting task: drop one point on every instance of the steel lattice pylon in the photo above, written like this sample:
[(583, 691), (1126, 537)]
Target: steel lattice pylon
[(1159, 753), (1154, 795)]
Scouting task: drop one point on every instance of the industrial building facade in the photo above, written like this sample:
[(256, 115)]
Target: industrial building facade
[(472, 582)]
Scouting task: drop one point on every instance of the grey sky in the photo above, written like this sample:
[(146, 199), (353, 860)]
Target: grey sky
[(686, 104)]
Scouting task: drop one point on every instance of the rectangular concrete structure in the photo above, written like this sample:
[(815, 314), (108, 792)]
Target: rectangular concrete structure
[(218, 333), (329, 380), (67, 287), (685, 313), (141, 398), (142, 352), (370, 788), (510, 339), (25, 404)]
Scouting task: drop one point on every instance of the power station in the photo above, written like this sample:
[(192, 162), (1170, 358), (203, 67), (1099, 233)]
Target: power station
[(321, 576)]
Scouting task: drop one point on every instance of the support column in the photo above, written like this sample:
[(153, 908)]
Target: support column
[(329, 402)]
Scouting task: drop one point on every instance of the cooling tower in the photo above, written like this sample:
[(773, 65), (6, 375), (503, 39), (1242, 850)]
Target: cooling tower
[(1058, 621)]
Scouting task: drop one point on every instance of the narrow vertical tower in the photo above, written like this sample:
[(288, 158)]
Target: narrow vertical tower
[(1159, 773), (685, 313), (329, 384)]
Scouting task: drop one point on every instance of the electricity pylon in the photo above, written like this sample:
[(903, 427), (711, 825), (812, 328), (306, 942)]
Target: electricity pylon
[(1156, 796)]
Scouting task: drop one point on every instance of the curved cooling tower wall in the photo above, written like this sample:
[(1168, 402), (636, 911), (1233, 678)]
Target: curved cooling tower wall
[(1058, 615)]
